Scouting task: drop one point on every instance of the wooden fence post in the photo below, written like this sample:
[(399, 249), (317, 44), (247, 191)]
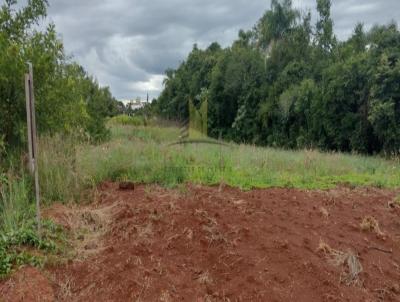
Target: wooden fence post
[(32, 139)]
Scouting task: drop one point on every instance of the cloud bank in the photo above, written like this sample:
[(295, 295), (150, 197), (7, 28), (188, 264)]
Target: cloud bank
[(128, 44)]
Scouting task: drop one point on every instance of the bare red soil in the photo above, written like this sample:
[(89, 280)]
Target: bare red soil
[(28, 284), (222, 244)]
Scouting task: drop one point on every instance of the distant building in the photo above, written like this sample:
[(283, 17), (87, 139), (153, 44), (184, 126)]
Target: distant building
[(132, 105), (136, 104)]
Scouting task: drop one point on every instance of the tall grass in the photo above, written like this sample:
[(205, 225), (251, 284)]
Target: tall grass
[(144, 154), (15, 202), (60, 176)]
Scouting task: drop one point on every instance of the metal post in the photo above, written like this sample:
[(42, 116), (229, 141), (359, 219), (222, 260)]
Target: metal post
[(32, 139)]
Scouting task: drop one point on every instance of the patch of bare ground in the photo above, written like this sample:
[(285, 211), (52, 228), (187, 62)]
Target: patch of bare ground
[(28, 284), (222, 244)]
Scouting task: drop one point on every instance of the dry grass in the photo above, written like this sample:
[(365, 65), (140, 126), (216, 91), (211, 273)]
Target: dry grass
[(86, 227), (65, 291), (395, 203), (324, 212), (210, 227), (166, 297), (352, 266), (370, 224), (145, 231), (204, 278)]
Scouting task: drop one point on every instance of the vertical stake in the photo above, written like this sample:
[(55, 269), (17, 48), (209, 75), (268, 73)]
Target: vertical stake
[(32, 140)]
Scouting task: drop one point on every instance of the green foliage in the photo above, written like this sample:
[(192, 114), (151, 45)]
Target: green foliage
[(17, 246), (126, 120), (67, 99), (289, 84), (19, 242), (276, 23), (198, 121)]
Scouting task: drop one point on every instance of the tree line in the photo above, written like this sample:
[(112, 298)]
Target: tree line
[(68, 99), (292, 84)]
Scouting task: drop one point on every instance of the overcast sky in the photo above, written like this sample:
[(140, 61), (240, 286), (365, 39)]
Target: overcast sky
[(128, 44)]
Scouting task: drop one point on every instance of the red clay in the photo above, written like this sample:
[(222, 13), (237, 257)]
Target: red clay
[(222, 244), (28, 284)]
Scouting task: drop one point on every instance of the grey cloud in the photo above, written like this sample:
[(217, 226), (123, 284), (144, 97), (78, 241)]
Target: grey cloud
[(128, 44)]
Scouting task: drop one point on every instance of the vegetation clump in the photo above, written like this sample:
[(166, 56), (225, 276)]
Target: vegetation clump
[(24, 246), (370, 224), (291, 84), (68, 99)]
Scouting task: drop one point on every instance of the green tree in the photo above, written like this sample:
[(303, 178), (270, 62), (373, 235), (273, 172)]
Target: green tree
[(67, 99)]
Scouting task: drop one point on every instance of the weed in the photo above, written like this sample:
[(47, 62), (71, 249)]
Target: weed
[(16, 246)]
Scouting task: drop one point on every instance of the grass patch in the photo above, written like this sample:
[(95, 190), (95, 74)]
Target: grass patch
[(144, 154), (127, 120)]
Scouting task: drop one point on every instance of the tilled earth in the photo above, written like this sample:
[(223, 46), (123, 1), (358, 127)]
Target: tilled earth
[(221, 244)]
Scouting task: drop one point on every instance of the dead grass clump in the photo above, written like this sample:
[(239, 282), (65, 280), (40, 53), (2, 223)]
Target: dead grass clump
[(214, 236), (395, 203), (65, 290), (324, 212), (370, 224), (91, 220), (352, 266), (145, 231), (166, 297), (204, 278), (155, 216)]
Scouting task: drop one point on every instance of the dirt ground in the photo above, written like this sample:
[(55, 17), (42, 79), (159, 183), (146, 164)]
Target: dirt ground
[(221, 244)]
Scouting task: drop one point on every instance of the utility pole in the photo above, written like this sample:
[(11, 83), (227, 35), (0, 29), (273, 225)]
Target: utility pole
[(32, 139)]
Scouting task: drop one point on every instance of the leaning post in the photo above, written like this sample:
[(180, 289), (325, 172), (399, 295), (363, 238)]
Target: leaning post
[(32, 139)]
